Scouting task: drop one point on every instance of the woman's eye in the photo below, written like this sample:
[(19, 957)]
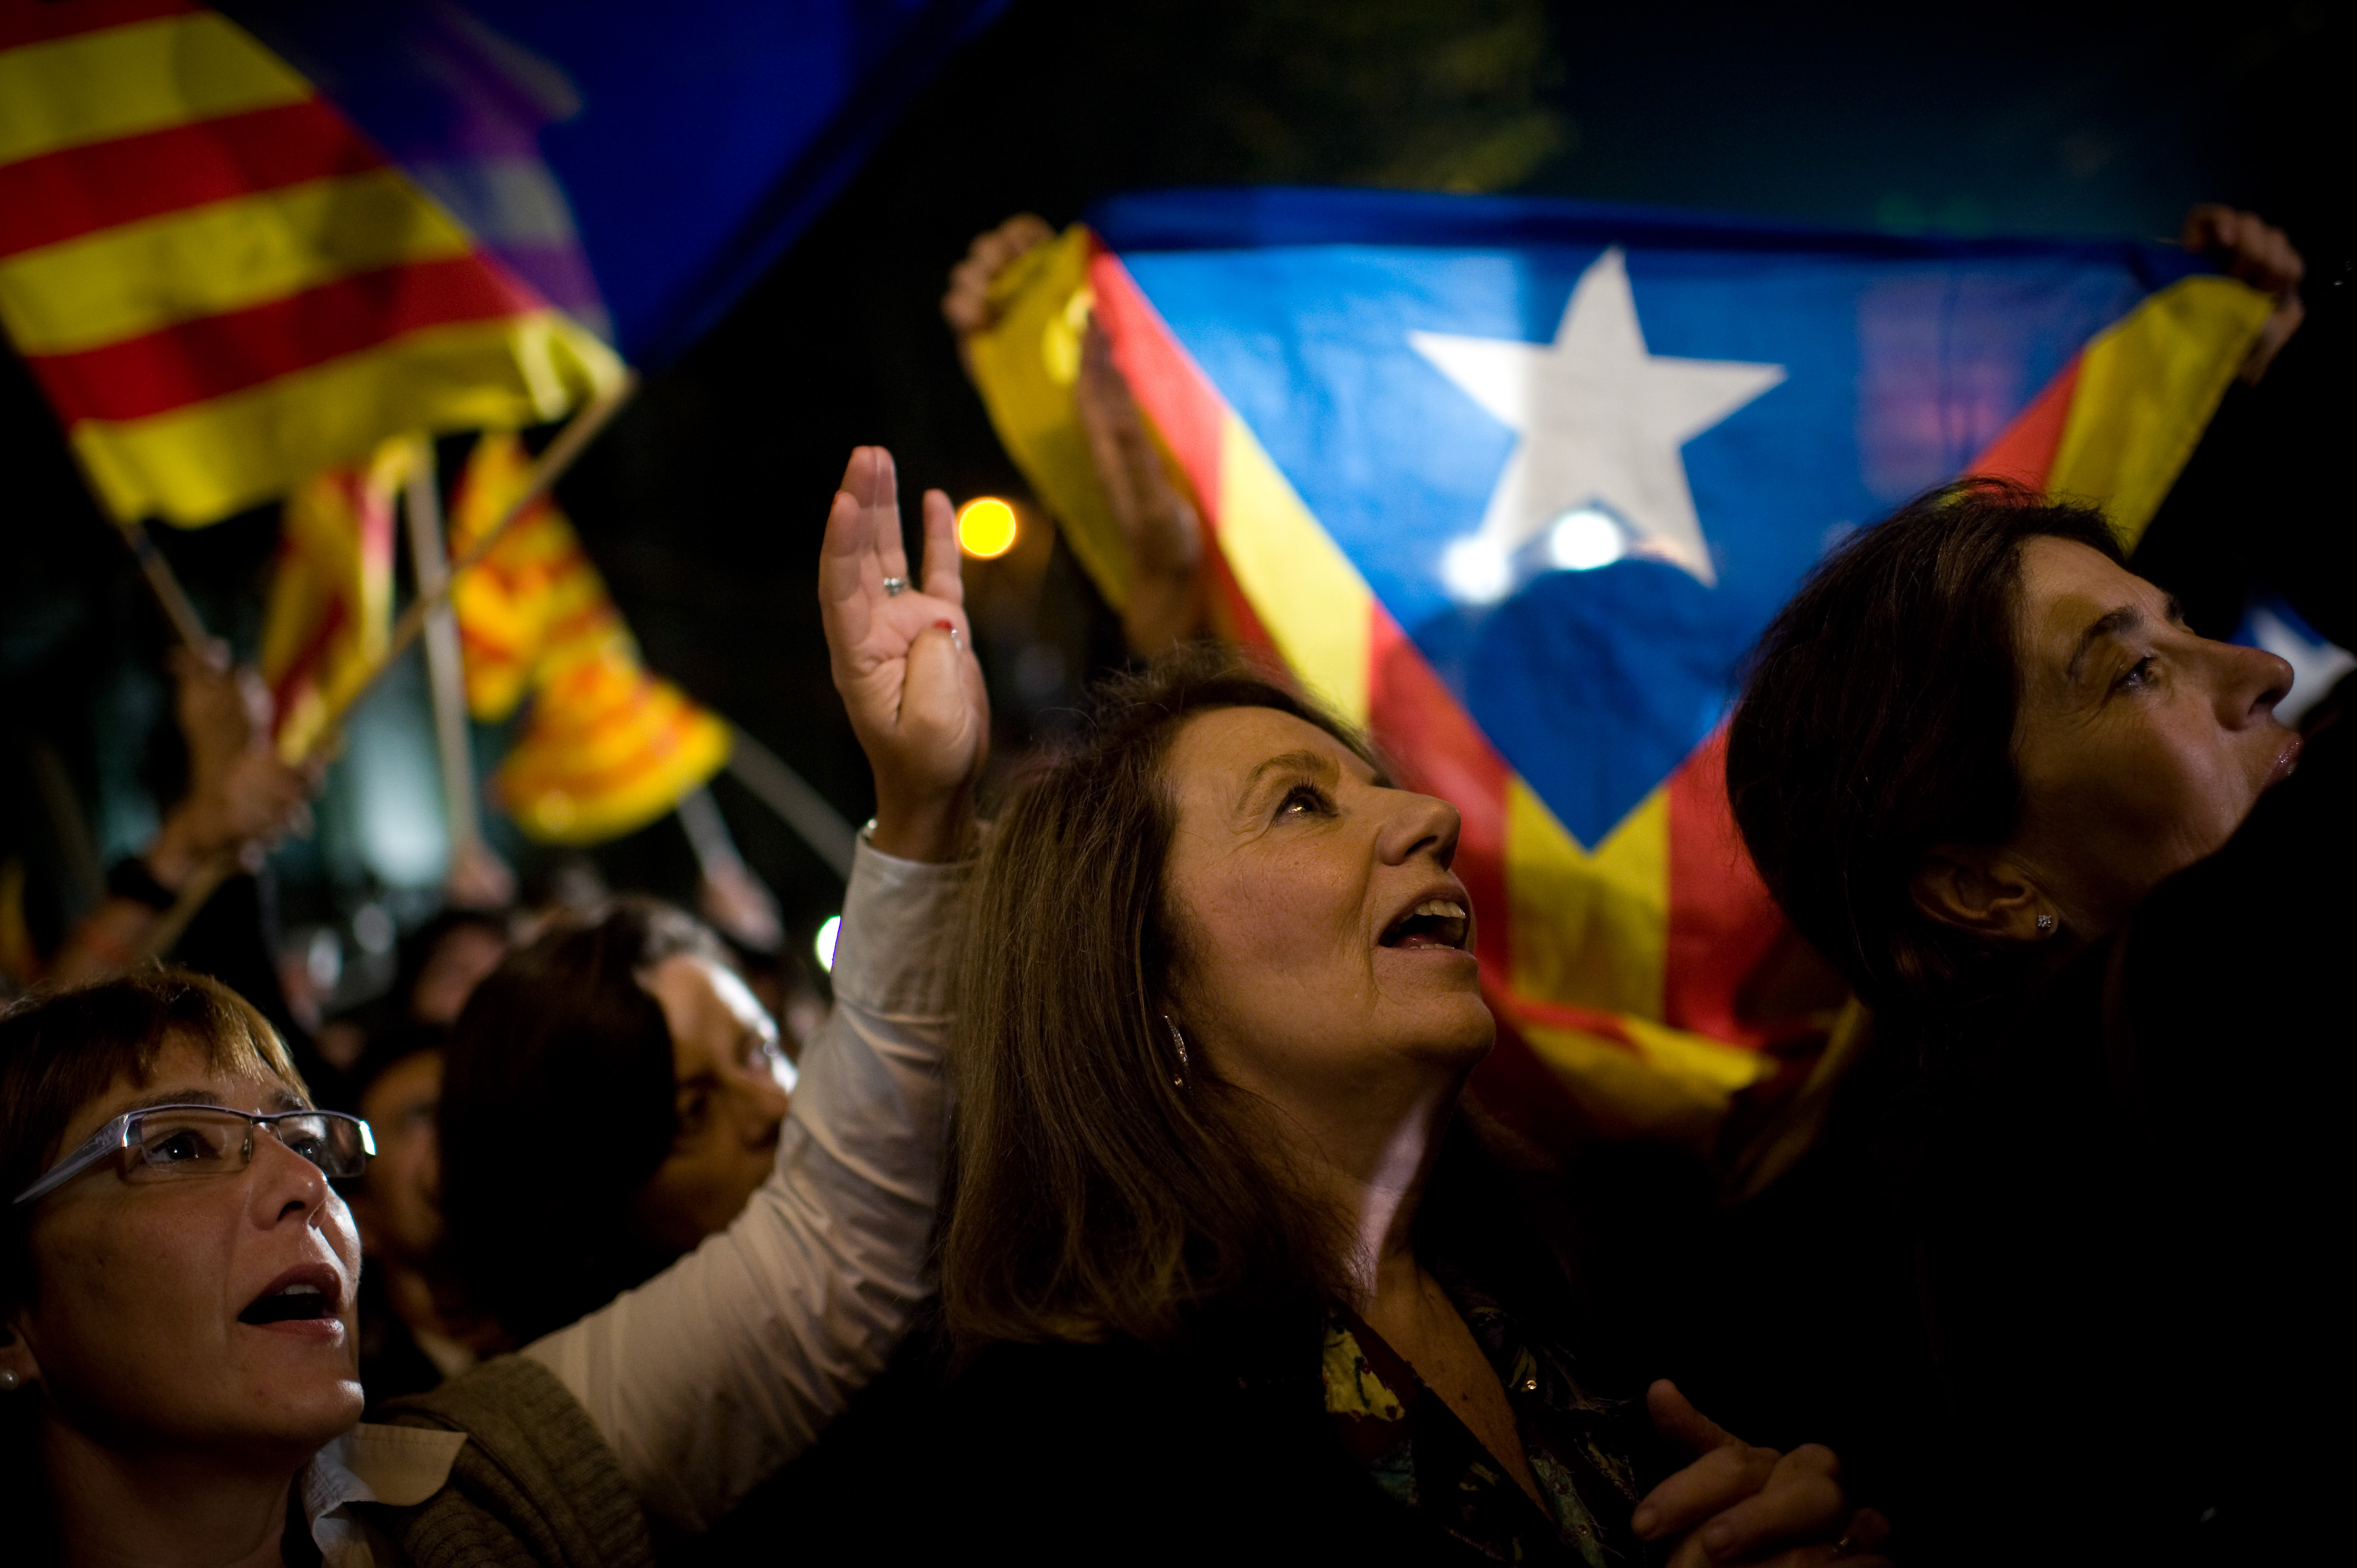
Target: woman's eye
[(2139, 674), (178, 1148), (1305, 799)]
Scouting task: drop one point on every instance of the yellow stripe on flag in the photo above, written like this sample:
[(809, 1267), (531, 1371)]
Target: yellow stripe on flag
[(225, 256), (1026, 366), (1590, 929), (1317, 607), (1666, 1084), (145, 76), (194, 465), (2148, 386)]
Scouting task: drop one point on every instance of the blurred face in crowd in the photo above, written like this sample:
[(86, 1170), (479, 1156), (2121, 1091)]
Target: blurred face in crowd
[(214, 1311), (2140, 746), (398, 1206), (729, 1104), (458, 963), (1325, 948)]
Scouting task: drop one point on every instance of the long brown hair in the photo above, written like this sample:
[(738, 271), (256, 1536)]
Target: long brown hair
[(1093, 1195)]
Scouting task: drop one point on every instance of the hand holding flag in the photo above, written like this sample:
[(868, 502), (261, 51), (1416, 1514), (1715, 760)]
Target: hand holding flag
[(903, 661)]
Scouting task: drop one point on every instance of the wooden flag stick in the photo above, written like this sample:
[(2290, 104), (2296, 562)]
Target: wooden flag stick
[(178, 609)]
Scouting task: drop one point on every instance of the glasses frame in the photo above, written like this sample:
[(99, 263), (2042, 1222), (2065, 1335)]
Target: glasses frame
[(115, 1137)]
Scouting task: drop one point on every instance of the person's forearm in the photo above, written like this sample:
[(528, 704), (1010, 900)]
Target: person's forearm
[(728, 1365)]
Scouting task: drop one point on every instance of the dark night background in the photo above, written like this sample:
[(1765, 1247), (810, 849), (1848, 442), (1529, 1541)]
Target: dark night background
[(703, 504)]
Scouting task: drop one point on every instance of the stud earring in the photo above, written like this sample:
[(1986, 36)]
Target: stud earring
[(8, 1379), (1179, 1040), (2045, 925)]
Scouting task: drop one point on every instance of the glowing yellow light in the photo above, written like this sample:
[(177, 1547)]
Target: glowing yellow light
[(987, 528)]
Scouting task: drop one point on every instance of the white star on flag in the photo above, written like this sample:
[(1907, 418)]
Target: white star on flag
[(1601, 421)]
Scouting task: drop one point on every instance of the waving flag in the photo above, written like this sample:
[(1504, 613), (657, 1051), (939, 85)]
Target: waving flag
[(607, 748), (1516, 483), (221, 286), (640, 165), (330, 612)]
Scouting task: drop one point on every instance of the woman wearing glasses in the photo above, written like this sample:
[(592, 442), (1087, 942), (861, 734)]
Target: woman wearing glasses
[(177, 1370)]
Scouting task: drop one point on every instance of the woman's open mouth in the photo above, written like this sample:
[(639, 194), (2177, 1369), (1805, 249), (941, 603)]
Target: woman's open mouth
[(1434, 923), (310, 1295)]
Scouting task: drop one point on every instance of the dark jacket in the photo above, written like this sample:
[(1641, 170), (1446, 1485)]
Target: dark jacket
[(2127, 1204), (1112, 1453)]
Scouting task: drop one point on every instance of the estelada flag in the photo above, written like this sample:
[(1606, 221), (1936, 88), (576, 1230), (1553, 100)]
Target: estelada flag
[(1516, 483), (328, 615), (224, 289), (608, 746)]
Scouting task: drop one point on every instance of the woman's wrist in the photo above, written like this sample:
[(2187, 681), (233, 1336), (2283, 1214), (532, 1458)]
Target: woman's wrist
[(935, 830)]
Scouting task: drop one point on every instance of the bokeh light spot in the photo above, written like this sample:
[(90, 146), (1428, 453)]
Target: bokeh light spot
[(987, 528), (822, 945)]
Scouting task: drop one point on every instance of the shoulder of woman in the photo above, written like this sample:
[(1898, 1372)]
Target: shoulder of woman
[(535, 1484)]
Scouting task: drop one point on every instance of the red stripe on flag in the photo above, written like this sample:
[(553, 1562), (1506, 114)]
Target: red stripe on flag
[(215, 355), (38, 21), (81, 190), (2024, 451), (1722, 920), (1163, 376)]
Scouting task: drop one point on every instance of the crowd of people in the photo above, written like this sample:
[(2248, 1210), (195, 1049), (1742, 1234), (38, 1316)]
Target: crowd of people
[(1127, 1204)]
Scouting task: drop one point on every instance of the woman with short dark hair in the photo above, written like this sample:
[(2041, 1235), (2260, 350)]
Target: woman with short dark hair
[(178, 1273), (2055, 837)]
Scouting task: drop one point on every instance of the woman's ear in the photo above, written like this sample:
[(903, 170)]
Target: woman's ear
[(19, 1368), (1982, 891)]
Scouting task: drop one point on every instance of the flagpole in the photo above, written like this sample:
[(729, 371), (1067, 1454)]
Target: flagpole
[(429, 554), (207, 877), (177, 607)]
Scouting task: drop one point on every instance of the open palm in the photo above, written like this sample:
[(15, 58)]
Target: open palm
[(903, 661)]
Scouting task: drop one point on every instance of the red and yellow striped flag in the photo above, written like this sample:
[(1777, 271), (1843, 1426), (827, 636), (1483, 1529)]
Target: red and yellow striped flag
[(221, 286), (330, 612), (608, 747)]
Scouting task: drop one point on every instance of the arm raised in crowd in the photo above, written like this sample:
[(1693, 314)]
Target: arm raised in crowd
[(731, 1362)]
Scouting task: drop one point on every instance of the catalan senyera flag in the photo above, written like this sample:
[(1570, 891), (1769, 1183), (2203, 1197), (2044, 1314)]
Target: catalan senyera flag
[(1516, 483), (222, 286), (328, 617), (607, 748)]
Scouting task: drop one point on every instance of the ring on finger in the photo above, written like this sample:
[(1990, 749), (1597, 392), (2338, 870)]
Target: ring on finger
[(895, 586), (1845, 1546)]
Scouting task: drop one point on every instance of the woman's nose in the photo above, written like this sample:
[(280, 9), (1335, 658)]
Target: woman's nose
[(284, 1181), (2251, 681), (1423, 823)]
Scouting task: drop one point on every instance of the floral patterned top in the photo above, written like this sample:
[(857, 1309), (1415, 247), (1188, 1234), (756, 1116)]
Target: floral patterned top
[(1427, 1460)]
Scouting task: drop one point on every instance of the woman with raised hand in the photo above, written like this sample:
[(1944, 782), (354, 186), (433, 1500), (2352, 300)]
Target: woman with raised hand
[(1232, 1279), (178, 1360), (2101, 894)]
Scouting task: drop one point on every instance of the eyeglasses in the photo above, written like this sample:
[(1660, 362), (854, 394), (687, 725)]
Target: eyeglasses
[(176, 1140)]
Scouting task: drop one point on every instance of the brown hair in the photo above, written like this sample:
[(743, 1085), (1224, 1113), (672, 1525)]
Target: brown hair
[(1877, 723), (558, 1103), (61, 1051), (1092, 1196)]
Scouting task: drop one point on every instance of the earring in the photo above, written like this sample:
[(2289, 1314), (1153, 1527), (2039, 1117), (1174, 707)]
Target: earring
[(1179, 1040), (8, 1379), (2045, 925)]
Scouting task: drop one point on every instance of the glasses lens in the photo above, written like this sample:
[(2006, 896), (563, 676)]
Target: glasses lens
[(182, 1142), (329, 1142)]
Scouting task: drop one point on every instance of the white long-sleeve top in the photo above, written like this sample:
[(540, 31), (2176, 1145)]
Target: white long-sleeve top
[(712, 1375)]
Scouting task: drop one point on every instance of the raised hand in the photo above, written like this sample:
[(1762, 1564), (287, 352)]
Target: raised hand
[(2252, 248), (967, 306), (1738, 1503), (904, 661), (1158, 521)]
